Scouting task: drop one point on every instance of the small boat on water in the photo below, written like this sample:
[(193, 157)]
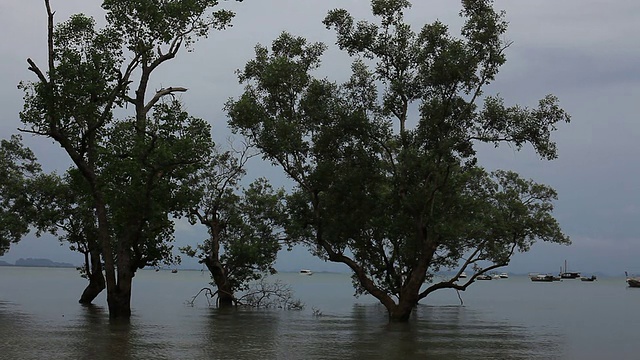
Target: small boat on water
[(504, 275), (590, 278), (484, 277), (632, 281), (174, 271), (463, 275), (306, 272)]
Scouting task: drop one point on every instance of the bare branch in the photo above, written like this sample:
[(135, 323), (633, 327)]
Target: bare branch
[(34, 68), (159, 94)]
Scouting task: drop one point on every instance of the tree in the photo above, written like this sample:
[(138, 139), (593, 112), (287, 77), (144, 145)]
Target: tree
[(135, 168), (398, 204), (243, 227)]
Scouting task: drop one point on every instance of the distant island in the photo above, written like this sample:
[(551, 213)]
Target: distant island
[(29, 262)]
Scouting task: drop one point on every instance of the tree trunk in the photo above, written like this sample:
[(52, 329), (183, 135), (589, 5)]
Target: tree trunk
[(407, 300), (95, 287), (96, 279), (401, 312), (225, 296), (119, 297), (119, 301), (225, 292)]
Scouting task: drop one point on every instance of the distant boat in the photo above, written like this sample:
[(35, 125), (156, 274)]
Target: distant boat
[(306, 272), (591, 278), (484, 277), (565, 274), (543, 277), (632, 281), (174, 271), (504, 276), (463, 275)]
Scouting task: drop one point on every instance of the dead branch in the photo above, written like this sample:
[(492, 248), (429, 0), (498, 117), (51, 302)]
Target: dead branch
[(159, 94), (208, 294), (260, 295), (265, 295)]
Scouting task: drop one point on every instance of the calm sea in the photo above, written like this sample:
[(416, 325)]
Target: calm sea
[(500, 319)]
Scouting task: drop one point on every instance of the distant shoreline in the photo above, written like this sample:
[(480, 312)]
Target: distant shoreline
[(30, 262)]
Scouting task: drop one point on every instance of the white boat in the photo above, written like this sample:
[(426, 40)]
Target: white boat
[(504, 276), (463, 275), (306, 272)]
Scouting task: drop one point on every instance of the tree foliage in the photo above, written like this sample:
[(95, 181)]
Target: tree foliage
[(398, 204), (18, 169)]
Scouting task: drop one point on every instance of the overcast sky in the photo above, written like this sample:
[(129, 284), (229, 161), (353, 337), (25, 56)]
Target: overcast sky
[(586, 52)]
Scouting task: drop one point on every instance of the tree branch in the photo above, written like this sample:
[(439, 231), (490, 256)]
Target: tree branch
[(159, 94)]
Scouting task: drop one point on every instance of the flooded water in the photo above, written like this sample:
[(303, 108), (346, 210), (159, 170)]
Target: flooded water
[(500, 319)]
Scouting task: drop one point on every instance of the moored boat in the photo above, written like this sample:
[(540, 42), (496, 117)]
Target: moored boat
[(542, 277), (306, 272), (565, 274), (590, 278), (504, 275), (632, 281), (483, 277)]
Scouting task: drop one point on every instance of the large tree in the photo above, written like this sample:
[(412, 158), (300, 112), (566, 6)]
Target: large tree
[(244, 225), (135, 168), (385, 165)]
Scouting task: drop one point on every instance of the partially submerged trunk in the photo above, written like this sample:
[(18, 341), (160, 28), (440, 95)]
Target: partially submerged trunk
[(119, 296), (225, 292), (408, 300), (220, 276), (409, 295), (225, 296), (119, 301), (96, 278)]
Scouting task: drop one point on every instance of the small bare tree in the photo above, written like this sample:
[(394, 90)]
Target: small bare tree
[(260, 295)]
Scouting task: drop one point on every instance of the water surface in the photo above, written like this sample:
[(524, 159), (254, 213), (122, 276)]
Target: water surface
[(500, 319)]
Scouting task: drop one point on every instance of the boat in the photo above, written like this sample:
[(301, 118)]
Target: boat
[(306, 272), (632, 281), (174, 271), (463, 275), (483, 277), (504, 276), (542, 277), (564, 274), (590, 278)]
